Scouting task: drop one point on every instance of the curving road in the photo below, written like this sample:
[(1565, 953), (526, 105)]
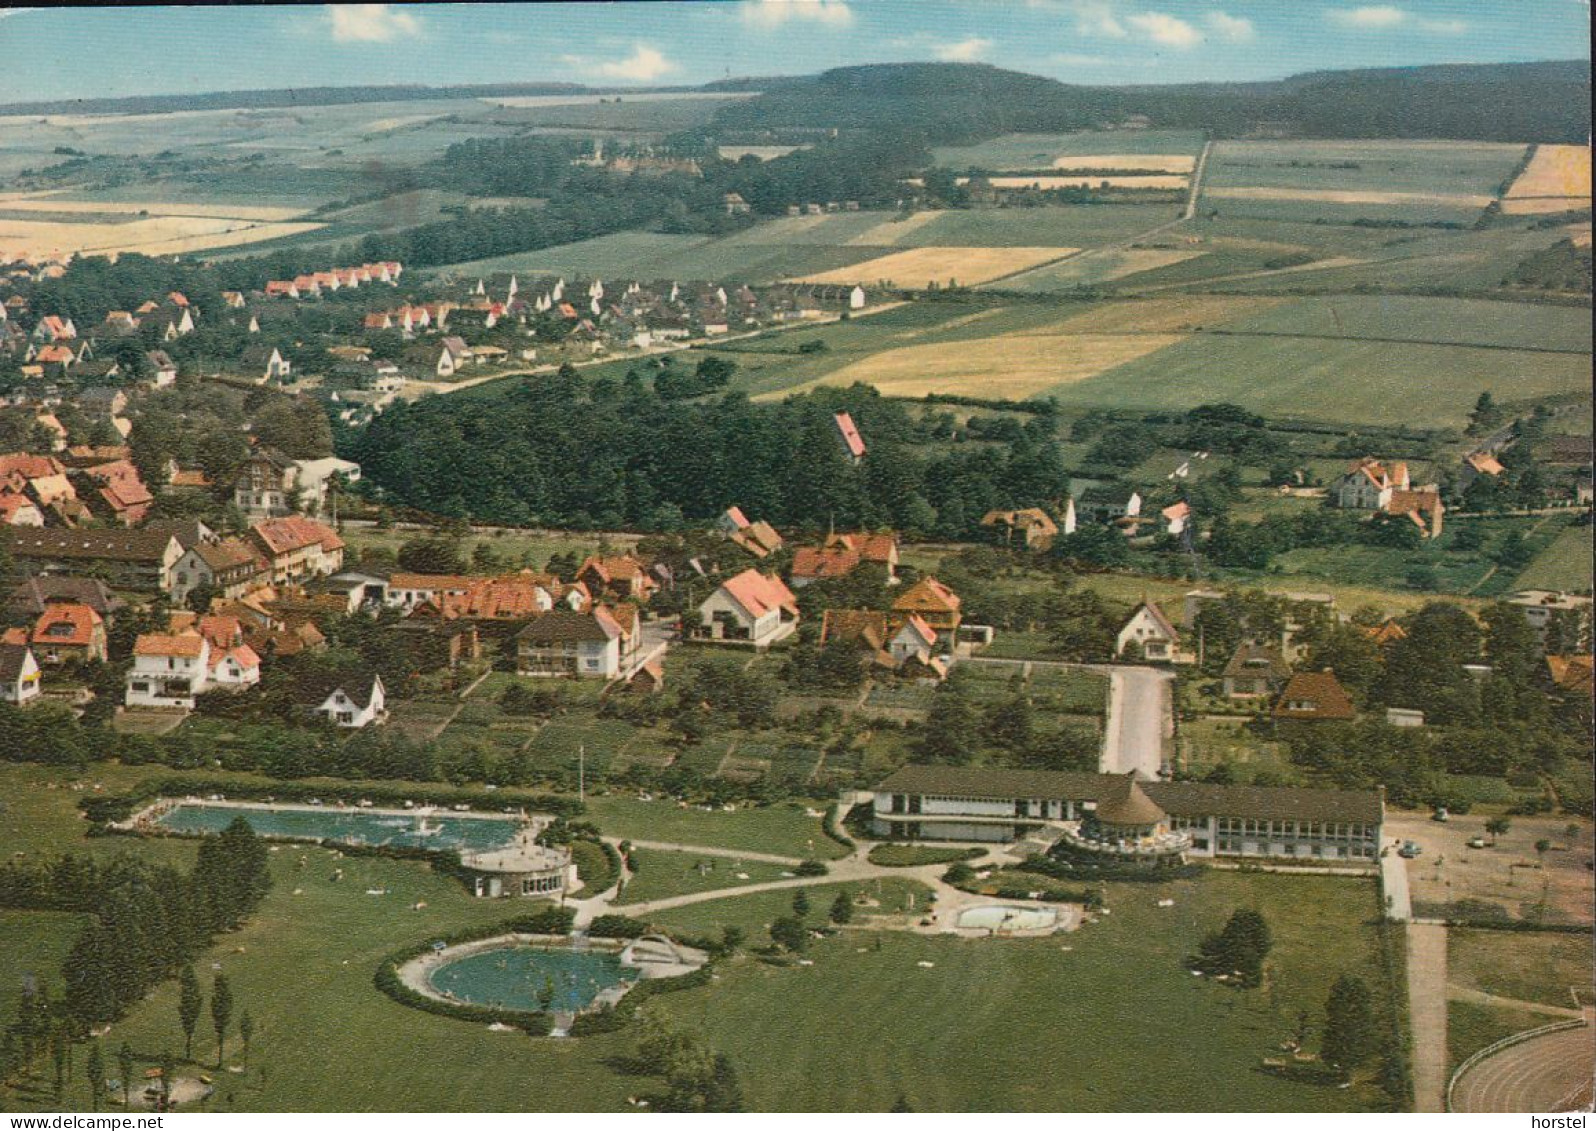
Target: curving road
[(1552, 1072)]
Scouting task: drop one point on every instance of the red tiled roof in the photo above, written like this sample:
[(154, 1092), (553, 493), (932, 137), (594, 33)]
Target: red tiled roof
[(295, 532), (759, 593), (165, 644), (64, 623), (820, 564), (850, 435), (1321, 689)]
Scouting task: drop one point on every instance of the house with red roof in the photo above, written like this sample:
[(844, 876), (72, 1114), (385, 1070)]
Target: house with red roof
[(933, 602), (623, 577), (749, 608), (297, 547), (853, 444), (117, 492), (1314, 697), (67, 632)]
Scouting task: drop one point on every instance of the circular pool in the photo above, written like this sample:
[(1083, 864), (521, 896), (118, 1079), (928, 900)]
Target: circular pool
[(1000, 917), (514, 977)]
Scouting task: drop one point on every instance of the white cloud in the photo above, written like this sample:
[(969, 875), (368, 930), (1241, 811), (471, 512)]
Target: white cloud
[(774, 13), (1377, 18), (1168, 30), (1237, 29), (1385, 17), (964, 51), (1095, 18), (644, 64), (370, 23)]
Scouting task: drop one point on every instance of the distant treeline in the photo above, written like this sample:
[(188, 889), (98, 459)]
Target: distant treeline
[(951, 103)]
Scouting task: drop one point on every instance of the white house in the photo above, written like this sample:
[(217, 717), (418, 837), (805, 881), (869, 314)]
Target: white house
[(590, 645), (1176, 516), (452, 357), (856, 299), (344, 708), (168, 670), (750, 608), (1369, 484), (1158, 637), (913, 641), (19, 674)]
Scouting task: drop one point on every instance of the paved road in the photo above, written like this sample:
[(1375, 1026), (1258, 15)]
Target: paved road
[(1139, 721), (1547, 1073), (1394, 885), (1427, 1014)]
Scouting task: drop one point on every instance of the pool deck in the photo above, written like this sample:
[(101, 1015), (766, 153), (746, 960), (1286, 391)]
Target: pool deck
[(147, 821)]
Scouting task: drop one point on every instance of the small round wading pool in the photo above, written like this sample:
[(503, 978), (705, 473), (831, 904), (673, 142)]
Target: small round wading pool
[(513, 977), (998, 917)]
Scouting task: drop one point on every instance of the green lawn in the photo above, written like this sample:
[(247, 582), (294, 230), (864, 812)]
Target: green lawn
[(1471, 1027), (1414, 318), (1103, 1016), (753, 913), (1519, 964), (781, 830), (514, 549), (661, 875), (1206, 743)]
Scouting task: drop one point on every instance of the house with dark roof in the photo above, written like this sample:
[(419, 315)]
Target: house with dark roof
[(1117, 815), (590, 645), (1032, 527), (20, 681), (126, 559), (356, 705), (1314, 697), (1255, 671), (230, 568), (30, 599), (1154, 634)]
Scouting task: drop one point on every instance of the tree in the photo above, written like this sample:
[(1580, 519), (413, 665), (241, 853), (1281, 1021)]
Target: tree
[(125, 1065), (189, 1004), (95, 1069), (789, 933), (221, 1013), (1497, 826), (1350, 1034), (800, 903), (168, 1070), (731, 937), (246, 1030), (724, 1091), (842, 909), (1240, 947), (546, 994)]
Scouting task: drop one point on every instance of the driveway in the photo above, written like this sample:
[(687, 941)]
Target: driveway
[(1427, 1014), (1139, 721)]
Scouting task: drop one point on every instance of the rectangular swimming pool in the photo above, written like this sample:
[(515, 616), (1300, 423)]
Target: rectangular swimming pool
[(349, 826)]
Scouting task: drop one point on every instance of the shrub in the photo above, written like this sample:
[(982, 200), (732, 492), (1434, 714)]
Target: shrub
[(617, 927), (812, 868)]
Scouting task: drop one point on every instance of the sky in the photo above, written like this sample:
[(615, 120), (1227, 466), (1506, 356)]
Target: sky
[(108, 52)]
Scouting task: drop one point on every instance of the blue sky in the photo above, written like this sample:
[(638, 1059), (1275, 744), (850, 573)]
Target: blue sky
[(107, 51)]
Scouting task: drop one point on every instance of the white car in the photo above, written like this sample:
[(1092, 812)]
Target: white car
[(1476, 842)]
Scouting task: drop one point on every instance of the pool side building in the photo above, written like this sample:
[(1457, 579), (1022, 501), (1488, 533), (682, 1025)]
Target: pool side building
[(1144, 818)]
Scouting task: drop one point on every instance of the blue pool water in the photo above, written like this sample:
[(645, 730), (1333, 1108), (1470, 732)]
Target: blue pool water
[(513, 977), (351, 826)]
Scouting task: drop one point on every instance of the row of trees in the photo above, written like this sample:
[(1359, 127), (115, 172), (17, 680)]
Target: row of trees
[(147, 923)]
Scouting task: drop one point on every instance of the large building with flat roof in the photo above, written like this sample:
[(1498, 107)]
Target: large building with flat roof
[(996, 805)]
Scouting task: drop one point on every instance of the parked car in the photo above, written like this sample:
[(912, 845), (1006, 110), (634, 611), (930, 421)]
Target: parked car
[(1409, 850), (1440, 814), (1476, 842)]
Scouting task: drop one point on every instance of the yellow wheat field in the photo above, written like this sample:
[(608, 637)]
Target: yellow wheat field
[(1048, 182), (922, 266), (44, 202), (1349, 196), (1555, 170), (157, 235), (1153, 162), (1012, 366)]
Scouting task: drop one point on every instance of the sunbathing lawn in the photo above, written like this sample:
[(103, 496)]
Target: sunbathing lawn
[(1110, 1023), (1522, 965), (661, 875), (35, 944), (780, 830)]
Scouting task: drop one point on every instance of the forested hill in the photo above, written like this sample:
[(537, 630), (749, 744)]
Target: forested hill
[(600, 454), (958, 102)]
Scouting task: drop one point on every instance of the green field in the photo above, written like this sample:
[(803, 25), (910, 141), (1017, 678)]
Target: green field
[(1471, 1027), (1565, 564), (1033, 152), (1523, 966), (1344, 381), (1417, 319)]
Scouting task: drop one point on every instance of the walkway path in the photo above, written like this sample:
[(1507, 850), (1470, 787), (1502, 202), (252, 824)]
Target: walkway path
[(1394, 885), (701, 850), (1480, 997), (1427, 1014)]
